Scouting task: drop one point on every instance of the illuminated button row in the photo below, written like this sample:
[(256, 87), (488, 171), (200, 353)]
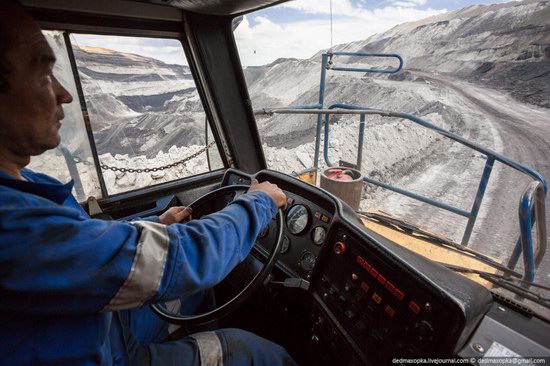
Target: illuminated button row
[(414, 307)]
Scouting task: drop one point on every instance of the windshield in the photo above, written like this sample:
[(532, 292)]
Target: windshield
[(451, 79)]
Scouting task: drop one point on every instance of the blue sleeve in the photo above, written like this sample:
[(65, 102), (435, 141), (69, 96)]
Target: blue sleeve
[(55, 259), (204, 251)]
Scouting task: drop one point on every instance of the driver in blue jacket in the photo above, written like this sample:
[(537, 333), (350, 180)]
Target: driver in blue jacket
[(75, 290)]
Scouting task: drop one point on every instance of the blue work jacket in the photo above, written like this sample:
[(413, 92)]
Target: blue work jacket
[(63, 274)]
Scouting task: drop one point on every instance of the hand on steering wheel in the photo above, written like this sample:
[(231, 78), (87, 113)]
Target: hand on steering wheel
[(256, 282)]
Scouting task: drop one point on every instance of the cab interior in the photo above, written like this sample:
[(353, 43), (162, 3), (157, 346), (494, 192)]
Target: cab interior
[(339, 293)]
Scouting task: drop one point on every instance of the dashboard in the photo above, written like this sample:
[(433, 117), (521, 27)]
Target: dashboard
[(372, 297)]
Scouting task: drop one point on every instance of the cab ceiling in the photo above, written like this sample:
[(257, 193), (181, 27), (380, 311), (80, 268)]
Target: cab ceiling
[(222, 7), (153, 9)]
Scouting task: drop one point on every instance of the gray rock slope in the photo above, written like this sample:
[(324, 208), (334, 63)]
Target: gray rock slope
[(137, 104), (505, 46)]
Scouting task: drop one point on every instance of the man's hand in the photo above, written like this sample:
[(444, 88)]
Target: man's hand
[(271, 189), (178, 214)]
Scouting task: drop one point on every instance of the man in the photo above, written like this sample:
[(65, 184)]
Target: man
[(66, 280)]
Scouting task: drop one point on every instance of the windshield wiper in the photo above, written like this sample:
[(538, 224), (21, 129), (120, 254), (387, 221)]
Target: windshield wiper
[(516, 286), (417, 232)]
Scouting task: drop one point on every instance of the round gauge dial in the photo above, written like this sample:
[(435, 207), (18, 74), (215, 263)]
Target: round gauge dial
[(307, 261), (318, 235), (286, 245), (297, 219)]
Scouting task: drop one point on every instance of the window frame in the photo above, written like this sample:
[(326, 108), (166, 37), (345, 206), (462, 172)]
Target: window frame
[(123, 26)]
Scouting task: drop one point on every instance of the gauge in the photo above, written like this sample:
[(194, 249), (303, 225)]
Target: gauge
[(286, 245), (297, 219), (307, 261), (318, 235)]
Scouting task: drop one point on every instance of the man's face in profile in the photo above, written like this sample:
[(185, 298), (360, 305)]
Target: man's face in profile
[(31, 108)]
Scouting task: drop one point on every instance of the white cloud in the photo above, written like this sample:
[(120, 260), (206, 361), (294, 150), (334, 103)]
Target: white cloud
[(339, 7), (262, 41), (408, 3), (266, 41)]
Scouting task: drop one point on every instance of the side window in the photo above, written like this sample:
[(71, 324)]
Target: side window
[(145, 116)]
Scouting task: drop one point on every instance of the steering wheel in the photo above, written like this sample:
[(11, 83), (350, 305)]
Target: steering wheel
[(242, 296)]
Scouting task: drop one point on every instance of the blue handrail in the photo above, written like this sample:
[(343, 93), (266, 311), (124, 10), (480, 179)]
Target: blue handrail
[(524, 243), (387, 70), (533, 199), (484, 180)]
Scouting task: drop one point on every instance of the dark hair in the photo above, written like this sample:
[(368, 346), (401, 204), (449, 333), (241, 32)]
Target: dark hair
[(7, 9)]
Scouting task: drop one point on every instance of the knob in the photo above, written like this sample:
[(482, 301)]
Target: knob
[(339, 248)]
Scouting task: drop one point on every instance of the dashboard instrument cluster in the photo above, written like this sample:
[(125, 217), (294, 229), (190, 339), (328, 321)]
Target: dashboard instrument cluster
[(304, 234)]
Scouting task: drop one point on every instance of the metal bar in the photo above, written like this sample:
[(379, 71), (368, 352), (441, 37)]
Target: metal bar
[(418, 197), (306, 106), (388, 70), (327, 128), (360, 142), (325, 149), (85, 115), (527, 239), (532, 200), (540, 218), (374, 70), (320, 117), (515, 254), (368, 111), (73, 171), (477, 202), (458, 211)]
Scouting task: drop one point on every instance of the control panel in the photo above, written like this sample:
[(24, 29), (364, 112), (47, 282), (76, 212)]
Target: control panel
[(380, 310)]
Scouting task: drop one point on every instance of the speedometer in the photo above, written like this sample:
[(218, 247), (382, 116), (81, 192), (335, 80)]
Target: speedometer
[(297, 219)]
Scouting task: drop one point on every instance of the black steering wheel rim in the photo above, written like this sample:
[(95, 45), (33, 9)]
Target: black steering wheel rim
[(244, 294)]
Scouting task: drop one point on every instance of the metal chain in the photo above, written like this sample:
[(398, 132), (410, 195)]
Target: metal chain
[(148, 170)]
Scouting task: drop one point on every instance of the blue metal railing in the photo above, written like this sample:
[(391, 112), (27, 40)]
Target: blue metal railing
[(490, 155), (326, 64), (386, 70), (524, 244), (533, 200)]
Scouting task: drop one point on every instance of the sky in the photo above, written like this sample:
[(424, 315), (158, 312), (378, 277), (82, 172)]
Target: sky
[(298, 28)]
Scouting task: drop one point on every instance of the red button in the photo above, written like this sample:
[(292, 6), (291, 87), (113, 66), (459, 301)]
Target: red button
[(359, 260), (414, 307), (339, 248), (390, 286), (365, 287), (366, 266), (374, 272), (399, 294), (389, 310), (381, 279)]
